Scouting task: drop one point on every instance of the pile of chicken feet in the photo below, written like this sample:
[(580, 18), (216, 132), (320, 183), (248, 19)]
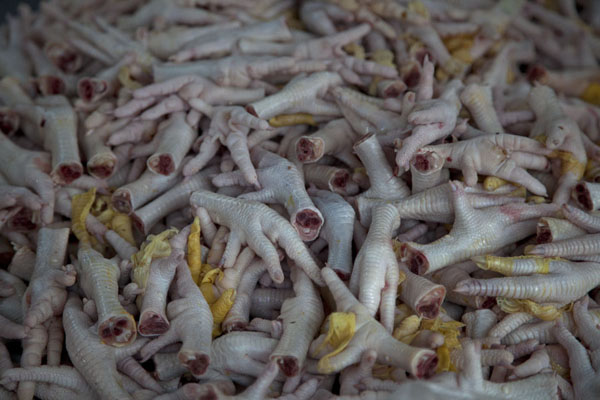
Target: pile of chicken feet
[(313, 199)]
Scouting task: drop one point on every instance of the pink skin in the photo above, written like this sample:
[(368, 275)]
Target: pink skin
[(9, 121), (304, 216), (584, 364), (458, 245), (432, 120), (92, 90), (505, 156), (229, 126), (372, 335)]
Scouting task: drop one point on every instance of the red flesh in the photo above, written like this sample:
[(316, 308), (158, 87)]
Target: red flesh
[(426, 367), (288, 365), (69, 173), (305, 150), (198, 365), (152, 324)]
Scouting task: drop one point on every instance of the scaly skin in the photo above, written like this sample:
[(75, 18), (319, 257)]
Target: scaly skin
[(474, 232), (99, 280), (432, 120), (572, 248), (584, 362), (47, 289), (96, 361), (502, 155), (562, 135), (280, 182), (337, 230), (526, 279), (263, 228), (375, 274), (190, 322), (302, 316), (371, 335), (298, 95), (229, 126)]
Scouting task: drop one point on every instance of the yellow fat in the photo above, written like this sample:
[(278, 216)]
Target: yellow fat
[(444, 362), (194, 256), (105, 217), (591, 94), (207, 282), (418, 8), (292, 119), (355, 50), (407, 329), (491, 183), (80, 209), (506, 265), (569, 163), (536, 199), (121, 224), (350, 5), (220, 308), (559, 369), (125, 79), (342, 326), (383, 372), (155, 246), (544, 312), (450, 330)]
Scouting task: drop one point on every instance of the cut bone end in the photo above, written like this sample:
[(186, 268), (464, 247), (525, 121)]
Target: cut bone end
[(583, 197), (308, 224), (117, 331), (121, 200), (49, 85), (429, 305), (162, 164), (152, 324), (417, 262), (101, 168), (426, 365), (544, 234), (288, 365), (309, 149), (90, 89), (66, 173), (196, 362), (339, 181)]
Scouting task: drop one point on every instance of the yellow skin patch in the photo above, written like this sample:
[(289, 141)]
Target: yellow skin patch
[(569, 163), (591, 94), (80, 209), (292, 119), (121, 224), (383, 57), (407, 329), (220, 308), (506, 265), (156, 246), (104, 212), (546, 312), (342, 326), (125, 79), (491, 183), (418, 8), (459, 46), (356, 50), (194, 256)]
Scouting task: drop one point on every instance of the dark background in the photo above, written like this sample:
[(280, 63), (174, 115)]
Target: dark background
[(10, 6)]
